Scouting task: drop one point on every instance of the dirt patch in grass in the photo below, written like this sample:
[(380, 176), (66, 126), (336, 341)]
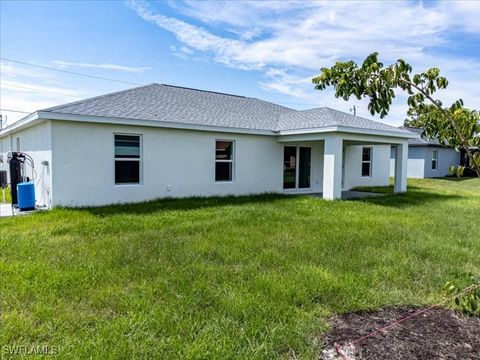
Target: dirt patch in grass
[(436, 334)]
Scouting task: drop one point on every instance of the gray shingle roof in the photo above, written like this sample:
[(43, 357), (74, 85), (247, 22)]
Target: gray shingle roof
[(421, 141), (167, 103), (326, 117)]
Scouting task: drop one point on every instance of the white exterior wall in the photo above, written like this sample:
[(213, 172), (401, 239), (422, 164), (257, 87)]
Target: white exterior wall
[(36, 142), (416, 162), (420, 161), (175, 163), (180, 163), (353, 166)]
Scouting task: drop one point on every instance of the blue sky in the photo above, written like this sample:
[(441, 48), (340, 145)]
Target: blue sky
[(268, 50)]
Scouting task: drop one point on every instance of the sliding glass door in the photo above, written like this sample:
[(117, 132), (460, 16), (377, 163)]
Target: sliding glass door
[(304, 166), (296, 176), (289, 167)]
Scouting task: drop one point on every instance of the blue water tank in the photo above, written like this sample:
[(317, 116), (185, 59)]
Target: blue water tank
[(26, 195)]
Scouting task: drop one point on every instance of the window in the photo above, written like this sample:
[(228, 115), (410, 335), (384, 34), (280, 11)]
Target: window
[(223, 161), (18, 144), (127, 159), (434, 159), (293, 174), (366, 161)]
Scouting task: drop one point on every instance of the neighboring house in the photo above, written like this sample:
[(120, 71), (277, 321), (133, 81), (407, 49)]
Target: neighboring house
[(427, 158), (160, 141)]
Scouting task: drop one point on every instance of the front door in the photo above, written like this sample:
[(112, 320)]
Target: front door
[(297, 166)]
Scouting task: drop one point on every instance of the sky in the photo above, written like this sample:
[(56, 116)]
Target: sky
[(268, 50)]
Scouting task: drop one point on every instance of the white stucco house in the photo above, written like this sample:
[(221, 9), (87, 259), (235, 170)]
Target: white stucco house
[(161, 140), (427, 158)]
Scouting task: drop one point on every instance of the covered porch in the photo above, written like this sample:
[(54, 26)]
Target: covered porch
[(349, 159)]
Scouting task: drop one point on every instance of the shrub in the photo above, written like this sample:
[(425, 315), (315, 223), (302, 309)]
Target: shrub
[(467, 300), (456, 170)]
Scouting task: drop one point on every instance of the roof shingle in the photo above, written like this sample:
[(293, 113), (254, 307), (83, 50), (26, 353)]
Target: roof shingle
[(422, 140), (167, 103)]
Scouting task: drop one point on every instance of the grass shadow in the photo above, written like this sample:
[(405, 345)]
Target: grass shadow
[(454, 178), (413, 197), (384, 189), (183, 204)]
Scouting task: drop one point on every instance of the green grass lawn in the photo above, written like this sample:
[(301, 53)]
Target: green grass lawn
[(248, 277)]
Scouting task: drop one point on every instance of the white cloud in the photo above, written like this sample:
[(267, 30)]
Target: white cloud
[(186, 50), (26, 89), (302, 34), (21, 100), (224, 50), (281, 81), (463, 14), (35, 88), (115, 67), (289, 41), (10, 70)]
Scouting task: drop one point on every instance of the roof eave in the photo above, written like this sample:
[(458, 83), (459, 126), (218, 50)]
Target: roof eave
[(38, 116), (347, 129), (148, 123), (430, 145), (25, 122)]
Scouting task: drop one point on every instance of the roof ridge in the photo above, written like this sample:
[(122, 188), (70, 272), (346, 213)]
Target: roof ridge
[(315, 108), (57, 107), (201, 90), (277, 116), (361, 117)]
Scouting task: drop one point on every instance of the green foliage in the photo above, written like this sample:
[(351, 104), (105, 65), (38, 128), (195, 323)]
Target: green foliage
[(220, 278), (456, 170), (476, 158), (467, 301), (454, 125)]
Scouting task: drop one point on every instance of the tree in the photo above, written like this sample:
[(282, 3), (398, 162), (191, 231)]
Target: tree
[(454, 125)]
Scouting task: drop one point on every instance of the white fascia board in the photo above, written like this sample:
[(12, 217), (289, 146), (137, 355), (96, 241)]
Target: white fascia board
[(25, 122), (148, 123), (345, 129), (308, 131), (397, 134), (373, 139)]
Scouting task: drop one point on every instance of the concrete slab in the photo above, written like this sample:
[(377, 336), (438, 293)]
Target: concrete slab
[(6, 210)]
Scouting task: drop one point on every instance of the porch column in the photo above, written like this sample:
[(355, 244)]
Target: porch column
[(401, 158), (332, 167)]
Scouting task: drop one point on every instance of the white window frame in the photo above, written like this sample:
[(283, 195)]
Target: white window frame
[(232, 161), (370, 162), (434, 159), (140, 160), (297, 167)]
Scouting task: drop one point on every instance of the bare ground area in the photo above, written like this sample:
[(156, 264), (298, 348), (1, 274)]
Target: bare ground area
[(437, 334)]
